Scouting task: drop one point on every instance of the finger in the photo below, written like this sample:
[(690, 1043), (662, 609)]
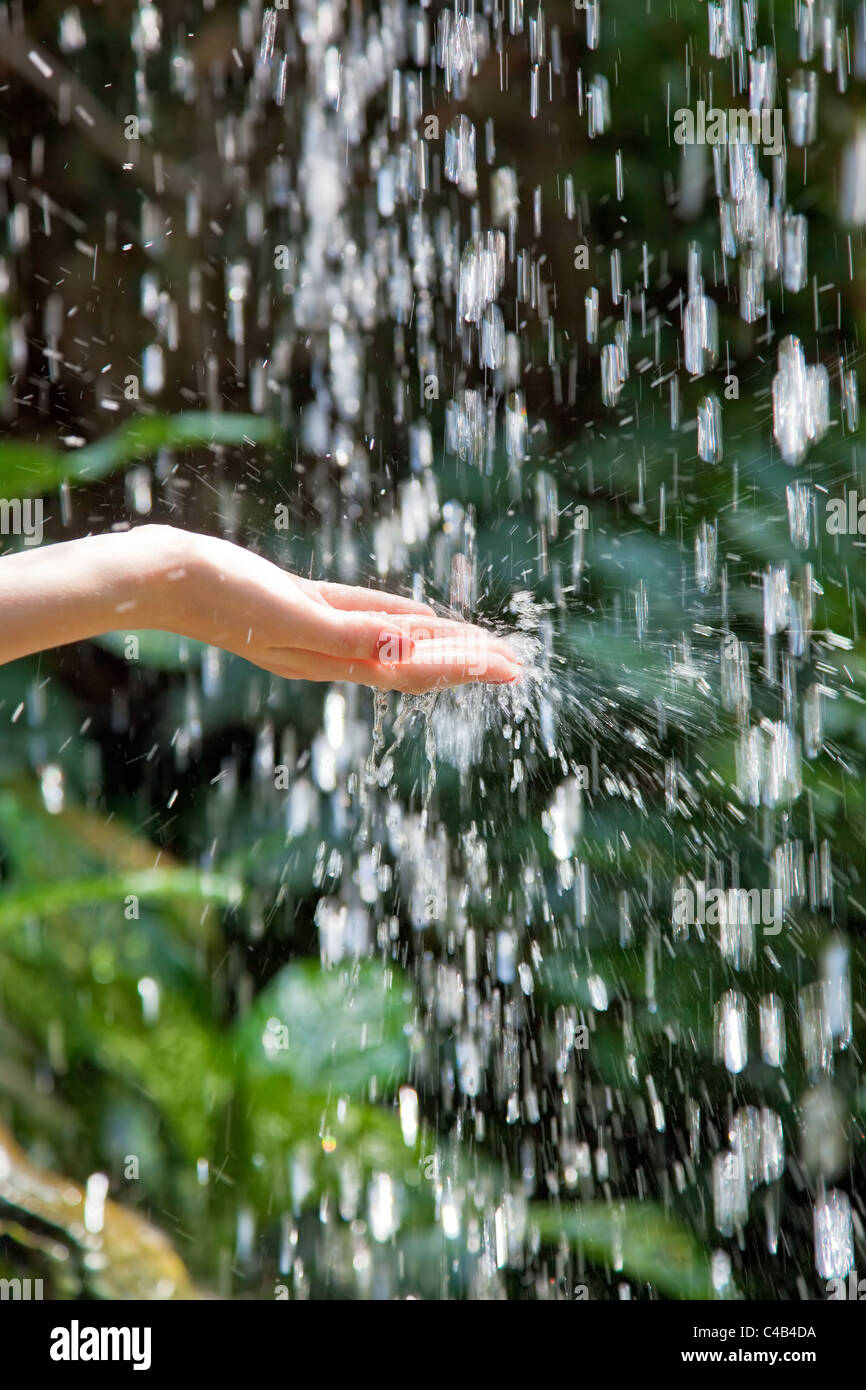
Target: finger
[(385, 637), (452, 630), (349, 596), (437, 667), (421, 623), (311, 588), (420, 628), (346, 634), (438, 664)]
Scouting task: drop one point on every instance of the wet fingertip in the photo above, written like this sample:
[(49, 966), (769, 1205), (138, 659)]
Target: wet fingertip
[(394, 647)]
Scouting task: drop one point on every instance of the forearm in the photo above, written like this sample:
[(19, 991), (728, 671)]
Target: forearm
[(78, 589)]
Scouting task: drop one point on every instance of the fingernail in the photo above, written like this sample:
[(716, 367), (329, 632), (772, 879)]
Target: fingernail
[(394, 647), (505, 680)]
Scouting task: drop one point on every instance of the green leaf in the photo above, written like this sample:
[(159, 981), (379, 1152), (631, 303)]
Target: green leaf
[(48, 900), (637, 1238), (344, 1027), (46, 849), (28, 469), (283, 1119)]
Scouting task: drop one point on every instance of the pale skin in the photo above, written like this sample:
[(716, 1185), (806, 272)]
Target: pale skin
[(167, 579)]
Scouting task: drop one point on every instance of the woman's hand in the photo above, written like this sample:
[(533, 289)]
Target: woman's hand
[(215, 592), (307, 630)]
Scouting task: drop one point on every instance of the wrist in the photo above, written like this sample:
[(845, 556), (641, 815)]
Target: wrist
[(164, 572)]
